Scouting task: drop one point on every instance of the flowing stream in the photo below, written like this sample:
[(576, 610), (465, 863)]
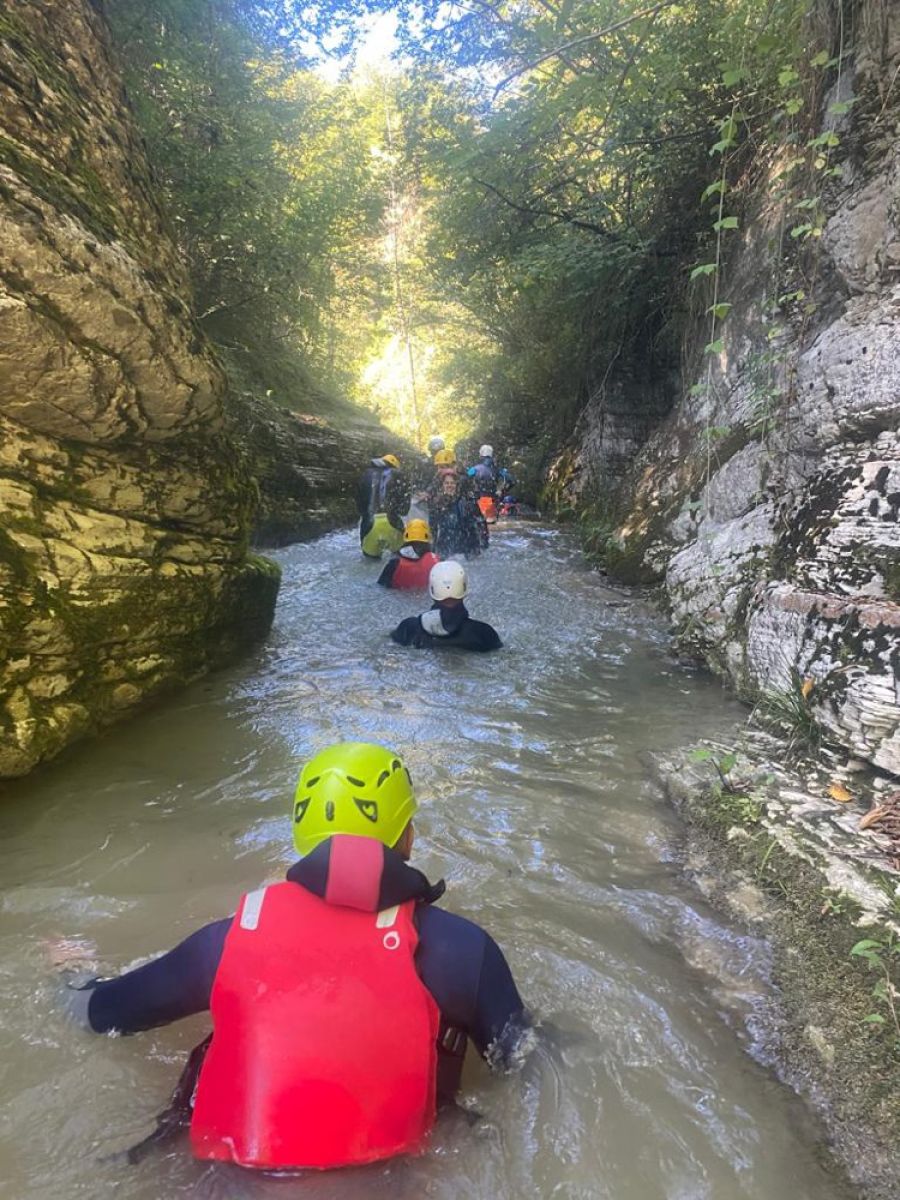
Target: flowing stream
[(536, 808)]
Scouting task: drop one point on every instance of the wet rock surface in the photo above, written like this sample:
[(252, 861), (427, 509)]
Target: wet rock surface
[(137, 459), (306, 451), (125, 504), (792, 851), (767, 503)]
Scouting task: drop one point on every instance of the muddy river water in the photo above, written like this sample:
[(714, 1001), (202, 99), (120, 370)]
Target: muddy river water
[(537, 810)]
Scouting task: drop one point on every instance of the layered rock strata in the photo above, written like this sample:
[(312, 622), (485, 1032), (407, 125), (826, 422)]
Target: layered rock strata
[(124, 506), (767, 502), (816, 878), (306, 450)]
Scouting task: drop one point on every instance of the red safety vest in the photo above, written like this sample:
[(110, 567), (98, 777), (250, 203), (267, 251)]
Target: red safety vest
[(324, 1037), (413, 572)]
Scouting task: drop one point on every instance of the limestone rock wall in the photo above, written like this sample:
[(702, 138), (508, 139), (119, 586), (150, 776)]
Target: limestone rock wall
[(612, 429), (768, 506), (125, 506), (307, 466), (306, 450)]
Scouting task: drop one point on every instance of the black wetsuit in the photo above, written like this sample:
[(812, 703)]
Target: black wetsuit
[(453, 626), (460, 964), (381, 489), (386, 577)]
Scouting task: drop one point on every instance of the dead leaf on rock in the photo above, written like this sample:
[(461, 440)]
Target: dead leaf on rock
[(838, 792), (872, 817), (807, 687)]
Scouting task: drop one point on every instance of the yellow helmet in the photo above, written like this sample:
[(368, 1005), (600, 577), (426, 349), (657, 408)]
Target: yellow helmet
[(353, 787), (391, 459), (444, 458), (417, 531)]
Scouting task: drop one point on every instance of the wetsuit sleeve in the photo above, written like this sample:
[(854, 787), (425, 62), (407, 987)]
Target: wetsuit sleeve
[(478, 635), (397, 498), (176, 985), (470, 980), (489, 637), (409, 633), (386, 578)]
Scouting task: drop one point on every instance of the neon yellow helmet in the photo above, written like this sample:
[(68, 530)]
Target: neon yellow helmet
[(353, 787), (417, 530)]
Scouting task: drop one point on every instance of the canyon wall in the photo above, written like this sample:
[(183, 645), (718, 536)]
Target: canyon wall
[(127, 489), (766, 502)]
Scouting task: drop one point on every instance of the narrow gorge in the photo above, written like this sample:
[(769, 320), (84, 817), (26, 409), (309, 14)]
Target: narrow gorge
[(649, 253), (133, 473)]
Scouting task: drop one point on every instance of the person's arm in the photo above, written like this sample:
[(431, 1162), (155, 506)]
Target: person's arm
[(499, 1019), (404, 492), (386, 578), (176, 985), (466, 972), (489, 638), (405, 632), (478, 636), (364, 495), (397, 496)]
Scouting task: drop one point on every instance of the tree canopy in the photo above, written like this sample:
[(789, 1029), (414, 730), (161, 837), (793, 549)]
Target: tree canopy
[(470, 235)]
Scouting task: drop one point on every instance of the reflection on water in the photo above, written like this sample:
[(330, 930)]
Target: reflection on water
[(538, 813)]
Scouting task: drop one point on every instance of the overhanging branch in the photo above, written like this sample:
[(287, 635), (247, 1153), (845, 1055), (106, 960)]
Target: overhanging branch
[(590, 37), (561, 215)]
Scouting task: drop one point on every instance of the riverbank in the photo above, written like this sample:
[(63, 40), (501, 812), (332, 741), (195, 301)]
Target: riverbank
[(781, 848)]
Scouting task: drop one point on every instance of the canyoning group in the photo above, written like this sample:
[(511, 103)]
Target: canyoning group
[(445, 511), (342, 999), (460, 503)]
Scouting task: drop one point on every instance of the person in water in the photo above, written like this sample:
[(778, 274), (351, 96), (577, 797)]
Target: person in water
[(484, 481), (484, 473), (447, 622), (342, 999), (411, 566), (458, 525), (423, 473), (381, 499)]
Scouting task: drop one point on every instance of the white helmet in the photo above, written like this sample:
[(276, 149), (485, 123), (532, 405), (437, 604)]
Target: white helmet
[(486, 452), (434, 444), (447, 581)]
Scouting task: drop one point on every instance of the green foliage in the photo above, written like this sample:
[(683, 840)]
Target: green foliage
[(883, 958), (788, 712), (480, 237), (731, 801), (267, 170), (564, 212)]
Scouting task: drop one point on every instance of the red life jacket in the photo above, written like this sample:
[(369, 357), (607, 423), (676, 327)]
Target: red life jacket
[(324, 1037), (413, 572)]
